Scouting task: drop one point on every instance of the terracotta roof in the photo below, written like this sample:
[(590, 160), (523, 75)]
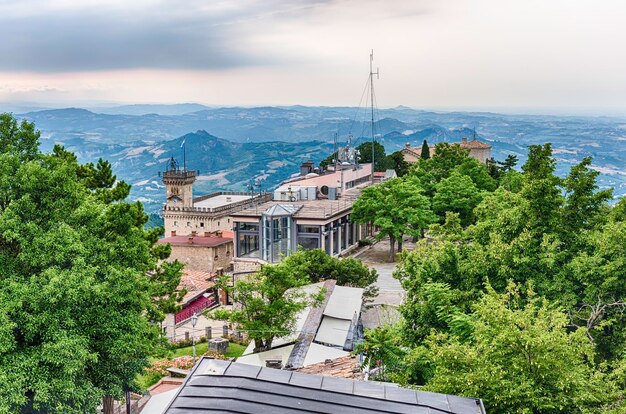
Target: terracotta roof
[(196, 283), (473, 144), (411, 150), (379, 174), (342, 367), (210, 241)]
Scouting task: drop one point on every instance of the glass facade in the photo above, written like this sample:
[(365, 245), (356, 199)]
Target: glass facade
[(248, 243), (276, 238)]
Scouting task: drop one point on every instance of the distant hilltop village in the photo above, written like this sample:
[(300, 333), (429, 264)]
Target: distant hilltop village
[(239, 231)]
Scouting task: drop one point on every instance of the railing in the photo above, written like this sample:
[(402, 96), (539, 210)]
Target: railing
[(257, 199), (196, 306)]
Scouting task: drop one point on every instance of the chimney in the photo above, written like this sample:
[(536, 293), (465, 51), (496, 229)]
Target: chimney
[(207, 234), (407, 145), (229, 199), (274, 363), (173, 233), (190, 240), (464, 140), (218, 233), (194, 233)]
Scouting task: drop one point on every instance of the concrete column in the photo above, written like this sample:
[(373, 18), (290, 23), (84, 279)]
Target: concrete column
[(339, 237), (208, 333)]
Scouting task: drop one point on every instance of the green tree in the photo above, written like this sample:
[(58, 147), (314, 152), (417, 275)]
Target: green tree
[(80, 285), (397, 162), (520, 358), (508, 164), (458, 194), (425, 154), (541, 190), (584, 204), (380, 156), (269, 302), (397, 207), (316, 265)]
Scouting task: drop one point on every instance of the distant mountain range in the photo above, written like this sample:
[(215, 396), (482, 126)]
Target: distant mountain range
[(233, 146)]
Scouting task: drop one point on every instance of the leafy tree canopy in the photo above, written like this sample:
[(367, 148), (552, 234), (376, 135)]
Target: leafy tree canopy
[(80, 285)]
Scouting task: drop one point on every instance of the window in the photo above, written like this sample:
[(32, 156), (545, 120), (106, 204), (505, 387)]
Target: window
[(201, 224), (248, 245), (248, 226), (218, 224), (306, 228), (308, 243), (189, 224), (175, 223)]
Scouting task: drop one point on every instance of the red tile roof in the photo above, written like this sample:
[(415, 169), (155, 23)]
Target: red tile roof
[(342, 367), (210, 241), (196, 283), (379, 174), (474, 144)]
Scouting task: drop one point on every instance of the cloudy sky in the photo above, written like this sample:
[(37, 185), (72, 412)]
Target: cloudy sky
[(535, 55)]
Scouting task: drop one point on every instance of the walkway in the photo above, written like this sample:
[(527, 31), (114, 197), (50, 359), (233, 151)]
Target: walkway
[(390, 292)]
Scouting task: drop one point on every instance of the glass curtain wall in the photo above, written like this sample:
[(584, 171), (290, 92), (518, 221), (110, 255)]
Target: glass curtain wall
[(248, 240)]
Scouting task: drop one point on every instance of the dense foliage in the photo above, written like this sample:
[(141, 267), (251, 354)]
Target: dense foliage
[(519, 296), (269, 300), (80, 285)]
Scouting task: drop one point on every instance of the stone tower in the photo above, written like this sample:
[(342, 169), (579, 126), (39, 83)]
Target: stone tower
[(178, 185)]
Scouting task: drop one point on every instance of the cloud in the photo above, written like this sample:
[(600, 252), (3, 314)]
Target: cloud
[(71, 36)]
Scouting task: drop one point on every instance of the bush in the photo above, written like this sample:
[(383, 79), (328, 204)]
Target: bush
[(365, 242)]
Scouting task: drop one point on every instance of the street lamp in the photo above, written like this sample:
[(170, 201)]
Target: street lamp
[(194, 320)]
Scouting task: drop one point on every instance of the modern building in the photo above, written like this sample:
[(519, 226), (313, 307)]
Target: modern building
[(183, 214), (309, 212), (224, 386), (327, 331)]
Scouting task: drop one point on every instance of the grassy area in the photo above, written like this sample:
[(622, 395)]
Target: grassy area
[(147, 380), (234, 350)]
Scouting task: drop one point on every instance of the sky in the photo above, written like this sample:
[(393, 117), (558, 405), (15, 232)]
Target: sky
[(508, 55)]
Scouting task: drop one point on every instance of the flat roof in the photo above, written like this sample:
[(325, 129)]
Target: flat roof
[(309, 209), (220, 200)]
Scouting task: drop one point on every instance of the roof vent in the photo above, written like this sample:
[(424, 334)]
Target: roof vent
[(274, 363)]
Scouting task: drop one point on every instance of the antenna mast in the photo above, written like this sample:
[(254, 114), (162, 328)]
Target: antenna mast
[(372, 73)]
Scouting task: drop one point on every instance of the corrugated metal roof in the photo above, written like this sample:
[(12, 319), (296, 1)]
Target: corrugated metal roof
[(226, 387)]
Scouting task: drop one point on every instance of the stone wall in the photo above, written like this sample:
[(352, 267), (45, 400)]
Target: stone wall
[(203, 258), (183, 223)]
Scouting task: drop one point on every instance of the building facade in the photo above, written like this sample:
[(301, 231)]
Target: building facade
[(183, 214), (312, 212), (479, 150)]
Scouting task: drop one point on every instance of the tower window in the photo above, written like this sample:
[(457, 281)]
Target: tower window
[(175, 223), (189, 224), (201, 224)]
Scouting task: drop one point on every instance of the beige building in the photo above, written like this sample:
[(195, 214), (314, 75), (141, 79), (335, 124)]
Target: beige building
[(481, 151), (210, 252), (183, 214)]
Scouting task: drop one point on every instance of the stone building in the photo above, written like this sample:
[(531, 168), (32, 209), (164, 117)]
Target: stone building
[(209, 252), (183, 214), (478, 150)]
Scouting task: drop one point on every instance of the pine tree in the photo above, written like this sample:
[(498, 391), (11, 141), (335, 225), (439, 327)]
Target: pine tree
[(425, 150)]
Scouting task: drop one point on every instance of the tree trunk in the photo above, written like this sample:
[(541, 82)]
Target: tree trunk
[(107, 404), (400, 245), (392, 250)]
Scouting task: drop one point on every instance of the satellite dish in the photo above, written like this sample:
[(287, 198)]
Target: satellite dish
[(324, 190)]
